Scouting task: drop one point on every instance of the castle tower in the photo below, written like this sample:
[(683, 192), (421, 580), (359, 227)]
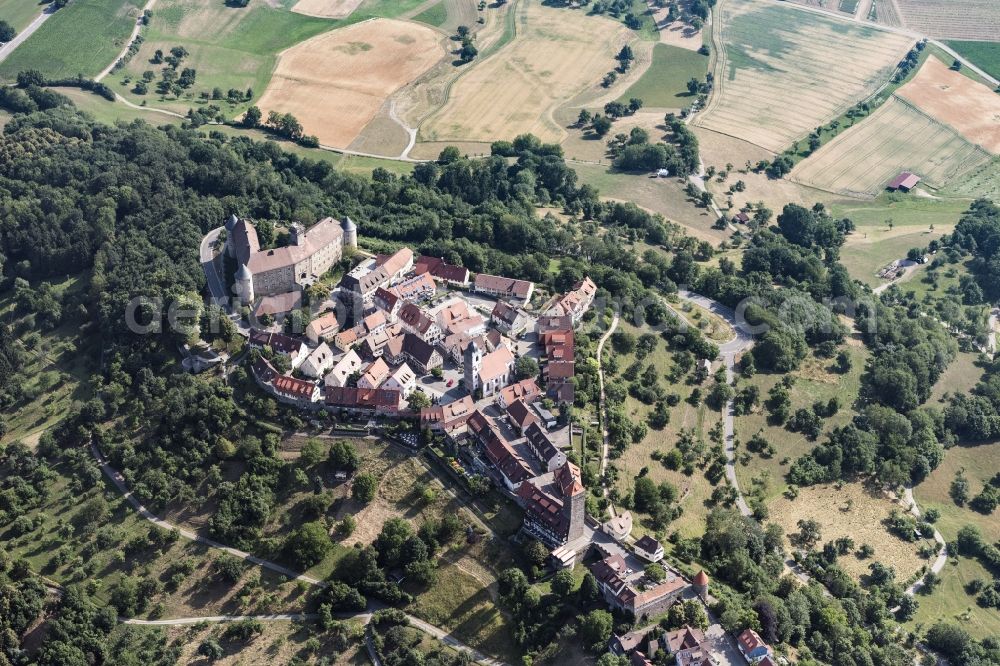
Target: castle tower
[(243, 285), (577, 503), (700, 585), (473, 358), (230, 225), (350, 233), (296, 234)]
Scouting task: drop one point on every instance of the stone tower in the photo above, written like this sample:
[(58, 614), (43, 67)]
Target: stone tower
[(577, 503), (230, 225), (700, 585), (350, 233), (473, 358), (243, 284), (296, 234)]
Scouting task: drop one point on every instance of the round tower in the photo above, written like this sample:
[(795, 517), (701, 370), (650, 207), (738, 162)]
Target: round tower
[(350, 233), (700, 585), (244, 284), (230, 225)]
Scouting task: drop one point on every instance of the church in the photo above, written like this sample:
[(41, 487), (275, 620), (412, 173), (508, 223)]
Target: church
[(308, 255)]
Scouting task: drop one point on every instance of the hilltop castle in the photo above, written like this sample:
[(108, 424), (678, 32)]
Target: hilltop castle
[(308, 255)]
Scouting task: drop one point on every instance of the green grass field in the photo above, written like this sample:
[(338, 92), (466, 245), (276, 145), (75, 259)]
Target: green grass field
[(985, 55), (983, 182), (950, 600), (435, 15), (813, 382), (55, 374), (81, 38), (693, 490), (19, 13), (664, 84)]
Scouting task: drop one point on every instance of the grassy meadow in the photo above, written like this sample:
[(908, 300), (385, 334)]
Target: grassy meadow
[(664, 84), (985, 55), (20, 13)]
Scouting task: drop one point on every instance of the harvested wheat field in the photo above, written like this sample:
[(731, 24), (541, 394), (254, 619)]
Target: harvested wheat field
[(957, 101), (954, 19), (896, 137), (784, 71), (336, 82), (335, 9), (850, 511), (556, 55)]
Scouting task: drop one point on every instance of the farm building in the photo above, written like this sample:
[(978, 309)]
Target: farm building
[(904, 182)]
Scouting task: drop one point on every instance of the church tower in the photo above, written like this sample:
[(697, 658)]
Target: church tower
[(473, 358), (350, 233)]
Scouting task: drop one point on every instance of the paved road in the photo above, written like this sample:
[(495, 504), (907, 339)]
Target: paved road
[(9, 47), (135, 33), (602, 401), (216, 287), (740, 342)]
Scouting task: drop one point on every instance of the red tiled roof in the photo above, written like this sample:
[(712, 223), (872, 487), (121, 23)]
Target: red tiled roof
[(526, 389), (749, 640), (521, 414), (503, 285), (569, 479), (905, 179), (344, 396)]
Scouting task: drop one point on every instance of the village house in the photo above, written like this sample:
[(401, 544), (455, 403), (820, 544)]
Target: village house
[(543, 448), (439, 270), (373, 376), (403, 380), (515, 291), (526, 390), (619, 527), (388, 302), (358, 287), (318, 362), (576, 302), (649, 549), (362, 401), (752, 646), (343, 370), (293, 349), (323, 328), (285, 388), (512, 468), (509, 319), (418, 288), (309, 254), (408, 348), (450, 417), (416, 321), (520, 416)]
